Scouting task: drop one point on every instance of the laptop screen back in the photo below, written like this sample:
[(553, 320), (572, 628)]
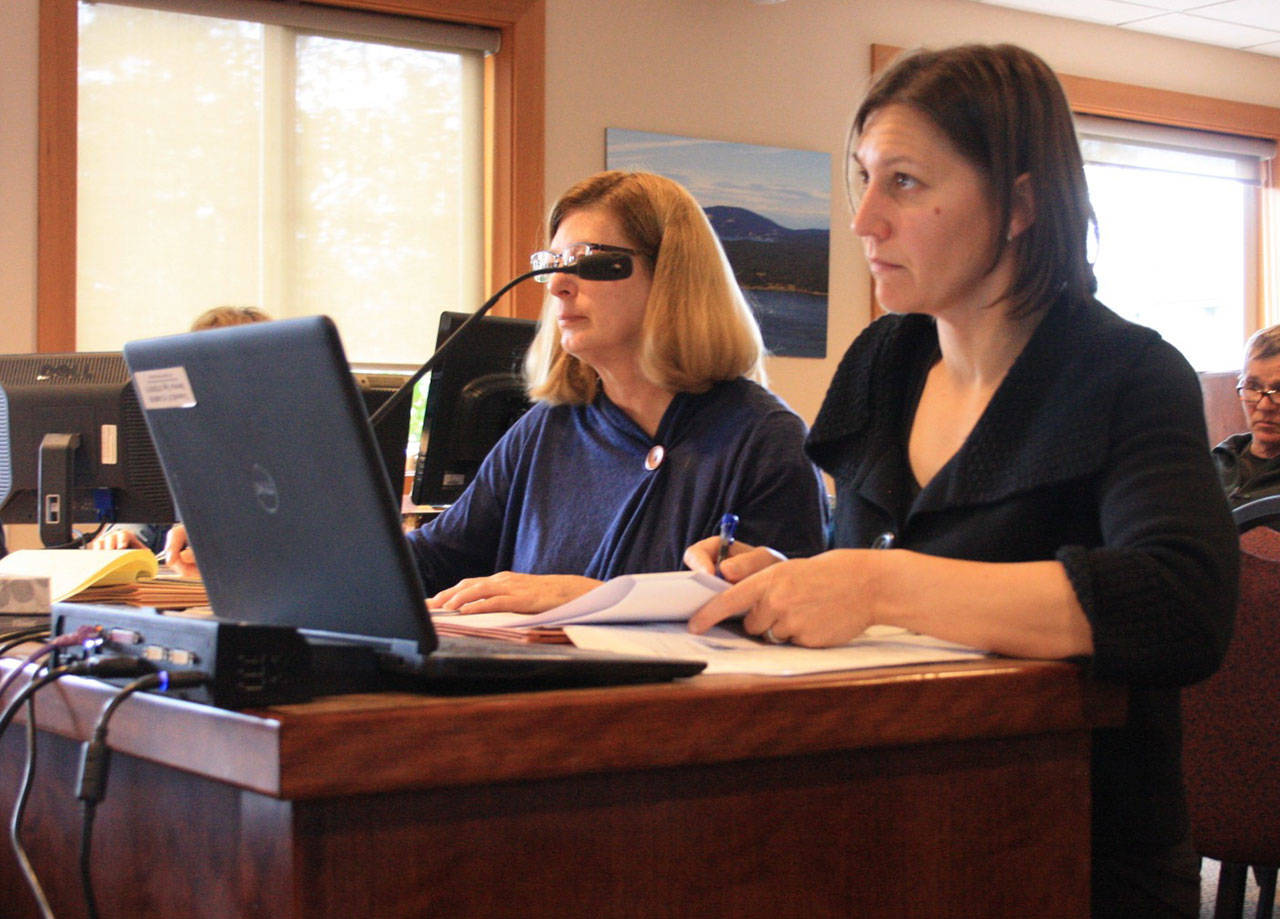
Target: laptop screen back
[(276, 475)]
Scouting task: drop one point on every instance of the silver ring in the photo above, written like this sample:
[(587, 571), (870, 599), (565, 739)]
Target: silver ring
[(772, 639)]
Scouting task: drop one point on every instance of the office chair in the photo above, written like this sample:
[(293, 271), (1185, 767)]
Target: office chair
[(1231, 729), (1259, 512)]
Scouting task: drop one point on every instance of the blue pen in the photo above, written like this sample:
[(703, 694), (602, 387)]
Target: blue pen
[(728, 526)]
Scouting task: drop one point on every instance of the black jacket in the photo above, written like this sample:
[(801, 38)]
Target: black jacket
[(1265, 481), (1091, 452)]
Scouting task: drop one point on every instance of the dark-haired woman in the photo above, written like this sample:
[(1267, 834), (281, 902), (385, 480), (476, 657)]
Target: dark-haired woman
[(1034, 464)]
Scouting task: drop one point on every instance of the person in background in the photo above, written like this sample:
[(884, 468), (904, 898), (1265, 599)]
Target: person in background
[(174, 538), (651, 421), (219, 317), (1017, 468), (1249, 463)]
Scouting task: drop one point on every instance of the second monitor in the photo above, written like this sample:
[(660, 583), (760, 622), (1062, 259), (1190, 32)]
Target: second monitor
[(476, 392)]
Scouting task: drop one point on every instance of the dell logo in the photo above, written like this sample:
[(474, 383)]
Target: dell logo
[(63, 372), (264, 490)]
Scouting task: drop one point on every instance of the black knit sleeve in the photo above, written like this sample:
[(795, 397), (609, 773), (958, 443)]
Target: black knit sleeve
[(1160, 592)]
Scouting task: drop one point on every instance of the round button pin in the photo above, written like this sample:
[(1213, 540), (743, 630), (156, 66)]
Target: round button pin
[(653, 459)]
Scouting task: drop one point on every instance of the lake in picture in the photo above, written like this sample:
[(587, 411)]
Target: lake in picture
[(793, 324)]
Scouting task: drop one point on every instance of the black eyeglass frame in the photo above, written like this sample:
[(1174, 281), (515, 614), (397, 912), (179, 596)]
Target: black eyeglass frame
[(1258, 395)]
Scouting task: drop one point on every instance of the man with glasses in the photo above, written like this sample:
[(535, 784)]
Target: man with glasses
[(1249, 464)]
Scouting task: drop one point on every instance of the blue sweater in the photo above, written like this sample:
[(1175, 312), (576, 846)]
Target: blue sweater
[(566, 490)]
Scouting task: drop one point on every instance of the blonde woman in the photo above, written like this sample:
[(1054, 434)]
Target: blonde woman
[(650, 422)]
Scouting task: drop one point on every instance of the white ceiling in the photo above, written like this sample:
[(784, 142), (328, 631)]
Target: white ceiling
[(1247, 25)]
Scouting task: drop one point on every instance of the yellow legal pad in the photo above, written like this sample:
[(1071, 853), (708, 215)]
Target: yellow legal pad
[(105, 576)]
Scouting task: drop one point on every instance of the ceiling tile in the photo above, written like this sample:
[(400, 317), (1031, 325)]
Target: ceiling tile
[(1271, 48), (1263, 14), (1211, 31), (1107, 12), (1168, 6), (1252, 25)]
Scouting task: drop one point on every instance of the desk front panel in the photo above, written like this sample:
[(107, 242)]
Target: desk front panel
[(948, 792)]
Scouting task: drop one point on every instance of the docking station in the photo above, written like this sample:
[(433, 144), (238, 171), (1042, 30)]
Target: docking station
[(249, 664)]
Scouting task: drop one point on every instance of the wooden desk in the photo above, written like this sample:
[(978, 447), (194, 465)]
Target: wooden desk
[(957, 790)]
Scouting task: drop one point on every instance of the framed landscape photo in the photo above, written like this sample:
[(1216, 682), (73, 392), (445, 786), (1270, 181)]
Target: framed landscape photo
[(770, 207)]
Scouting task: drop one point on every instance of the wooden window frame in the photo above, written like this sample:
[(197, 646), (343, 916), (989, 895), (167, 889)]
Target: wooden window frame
[(1088, 96), (515, 114)]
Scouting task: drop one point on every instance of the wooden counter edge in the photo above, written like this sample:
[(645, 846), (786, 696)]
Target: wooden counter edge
[(360, 744)]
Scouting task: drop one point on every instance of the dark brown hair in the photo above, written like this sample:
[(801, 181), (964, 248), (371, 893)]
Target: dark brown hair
[(1004, 110)]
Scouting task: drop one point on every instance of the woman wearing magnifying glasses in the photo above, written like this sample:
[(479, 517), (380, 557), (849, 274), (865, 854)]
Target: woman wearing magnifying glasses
[(650, 424)]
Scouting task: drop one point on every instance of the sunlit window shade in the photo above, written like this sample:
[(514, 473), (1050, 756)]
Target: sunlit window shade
[(223, 161), (1159, 147), (1177, 231)]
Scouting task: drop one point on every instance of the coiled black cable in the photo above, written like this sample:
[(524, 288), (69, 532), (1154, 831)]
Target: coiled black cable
[(91, 786)]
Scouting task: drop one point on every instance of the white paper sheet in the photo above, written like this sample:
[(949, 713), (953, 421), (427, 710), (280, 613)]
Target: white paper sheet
[(664, 596), (726, 651)]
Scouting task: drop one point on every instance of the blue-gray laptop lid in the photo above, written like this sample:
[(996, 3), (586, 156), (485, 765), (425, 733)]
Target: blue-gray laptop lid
[(267, 449), (278, 480)]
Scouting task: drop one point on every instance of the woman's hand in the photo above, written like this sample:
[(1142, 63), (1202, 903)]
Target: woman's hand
[(117, 539), (179, 554), (509, 592), (1023, 609), (743, 560), (816, 602)]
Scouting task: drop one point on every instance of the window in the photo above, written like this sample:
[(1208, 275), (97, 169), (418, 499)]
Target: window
[(513, 142), (278, 164), (1178, 230)]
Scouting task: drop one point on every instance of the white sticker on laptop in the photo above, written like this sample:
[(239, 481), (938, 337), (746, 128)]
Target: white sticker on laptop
[(167, 387)]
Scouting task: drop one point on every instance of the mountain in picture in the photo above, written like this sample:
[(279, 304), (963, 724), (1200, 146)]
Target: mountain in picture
[(768, 256)]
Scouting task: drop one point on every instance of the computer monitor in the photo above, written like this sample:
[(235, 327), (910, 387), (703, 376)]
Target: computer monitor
[(74, 446), (392, 432), (476, 392)]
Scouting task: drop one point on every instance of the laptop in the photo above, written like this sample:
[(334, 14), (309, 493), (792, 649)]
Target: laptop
[(275, 472)]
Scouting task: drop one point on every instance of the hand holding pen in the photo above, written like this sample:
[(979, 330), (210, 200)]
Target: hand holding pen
[(728, 527), (707, 555)]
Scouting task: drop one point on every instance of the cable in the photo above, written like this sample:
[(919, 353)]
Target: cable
[(80, 540), (81, 636), (19, 808), (17, 637), (99, 667), (91, 786), (102, 668)]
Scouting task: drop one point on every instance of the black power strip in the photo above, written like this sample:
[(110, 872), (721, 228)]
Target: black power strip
[(250, 664)]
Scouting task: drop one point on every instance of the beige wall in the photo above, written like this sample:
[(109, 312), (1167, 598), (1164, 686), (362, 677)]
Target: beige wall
[(783, 74), (17, 176), (787, 75)]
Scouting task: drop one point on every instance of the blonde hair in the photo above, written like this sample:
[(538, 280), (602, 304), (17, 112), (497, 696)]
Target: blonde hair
[(220, 316), (698, 328)]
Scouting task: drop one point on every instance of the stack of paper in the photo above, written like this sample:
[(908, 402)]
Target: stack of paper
[(645, 614), (130, 576), (665, 596)]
